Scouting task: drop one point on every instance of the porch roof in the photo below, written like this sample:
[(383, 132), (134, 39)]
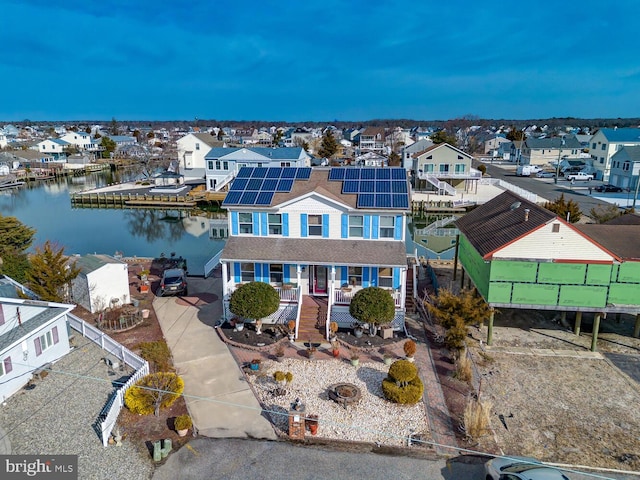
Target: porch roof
[(315, 251)]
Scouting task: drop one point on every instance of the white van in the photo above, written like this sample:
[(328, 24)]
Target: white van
[(527, 170)]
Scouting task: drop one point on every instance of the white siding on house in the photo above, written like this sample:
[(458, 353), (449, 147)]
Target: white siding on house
[(313, 205), (545, 244), (95, 290)]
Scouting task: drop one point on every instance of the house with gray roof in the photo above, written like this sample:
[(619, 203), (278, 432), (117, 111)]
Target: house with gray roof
[(625, 168), (604, 145), (223, 164), (54, 148), (33, 335), (543, 151), (318, 236), (408, 161), (103, 282)]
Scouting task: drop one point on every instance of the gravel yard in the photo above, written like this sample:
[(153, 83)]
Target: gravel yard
[(372, 420), (57, 417)]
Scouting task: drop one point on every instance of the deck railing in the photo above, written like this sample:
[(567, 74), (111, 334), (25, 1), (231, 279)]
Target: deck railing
[(344, 296)]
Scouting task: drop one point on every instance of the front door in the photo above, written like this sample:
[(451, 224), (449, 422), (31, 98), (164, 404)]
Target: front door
[(319, 280)]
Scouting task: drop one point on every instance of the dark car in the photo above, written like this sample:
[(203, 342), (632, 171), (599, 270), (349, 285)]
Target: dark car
[(608, 188), (173, 282)]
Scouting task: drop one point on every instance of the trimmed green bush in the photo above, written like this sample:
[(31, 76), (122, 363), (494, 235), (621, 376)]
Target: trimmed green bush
[(182, 422), (403, 385), (157, 354), (373, 305), (254, 300), (153, 392)]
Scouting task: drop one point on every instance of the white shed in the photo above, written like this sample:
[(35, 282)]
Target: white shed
[(103, 282)]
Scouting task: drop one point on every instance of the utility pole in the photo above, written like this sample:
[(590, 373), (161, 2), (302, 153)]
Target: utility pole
[(555, 180), (637, 175)]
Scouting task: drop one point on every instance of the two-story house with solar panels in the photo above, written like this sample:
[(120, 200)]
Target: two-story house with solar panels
[(318, 236)]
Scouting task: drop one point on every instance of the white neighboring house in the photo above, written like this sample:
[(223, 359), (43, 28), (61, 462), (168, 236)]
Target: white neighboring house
[(103, 282), (33, 335), (3, 140), (192, 149), (605, 143), (223, 164), (54, 147), (83, 141)]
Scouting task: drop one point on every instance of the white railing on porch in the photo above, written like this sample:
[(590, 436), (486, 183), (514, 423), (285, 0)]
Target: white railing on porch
[(289, 295), (220, 185), (436, 182), (342, 297), (107, 419), (212, 264), (298, 309)]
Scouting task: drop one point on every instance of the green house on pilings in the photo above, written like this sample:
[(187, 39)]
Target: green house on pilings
[(520, 255)]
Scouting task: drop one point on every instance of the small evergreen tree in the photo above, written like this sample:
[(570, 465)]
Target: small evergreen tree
[(394, 159), (254, 300), (443, 137), (373, 305), (328, 146), (51, 273), (562, 207), (153, 392), (602, 214)]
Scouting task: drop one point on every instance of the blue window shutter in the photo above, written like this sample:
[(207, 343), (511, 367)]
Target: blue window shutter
[(285, 224), (234, 223), (345, 226), (265, 273), (285, 274), (325, 225), (344, 276), (365, 277), (396, 278), (374, 276), (375, 227), (256, 223), (264, 227), (236, 272), (304, 229), (257, 272), (367, 227), (397, 234)]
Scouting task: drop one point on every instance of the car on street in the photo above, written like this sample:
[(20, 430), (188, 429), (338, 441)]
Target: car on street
[(527, 170), (520, 468), (580, 176), (608, 188), (173, 282), (545, 174)]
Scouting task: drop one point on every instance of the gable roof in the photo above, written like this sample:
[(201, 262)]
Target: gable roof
[(90, 263), (626, 219), (440, 145), (418, 146), (621, 134), (501, 220), (281, 153), (621, 240), (632, 152), (208, 139), (570, 142)]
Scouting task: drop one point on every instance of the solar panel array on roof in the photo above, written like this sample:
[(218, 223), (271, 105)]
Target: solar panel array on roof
[(375, 187), (258, 185)]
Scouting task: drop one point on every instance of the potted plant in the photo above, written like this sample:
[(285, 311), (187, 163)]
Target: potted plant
[(238, 324), (409, 348), (312, 422), (291, 324), (387, 358), (279, 353), (182, 424), (311, 352), (144, 275), (358, 329), (255, 364), (335, 348), (333, 328), (355, 359)]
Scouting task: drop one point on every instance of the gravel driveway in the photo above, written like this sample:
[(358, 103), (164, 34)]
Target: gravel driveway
[(57, 417)]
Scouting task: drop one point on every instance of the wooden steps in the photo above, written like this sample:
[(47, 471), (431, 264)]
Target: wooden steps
[(313, 315)]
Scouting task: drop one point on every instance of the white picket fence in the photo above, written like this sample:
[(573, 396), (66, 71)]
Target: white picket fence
[(109, 414)]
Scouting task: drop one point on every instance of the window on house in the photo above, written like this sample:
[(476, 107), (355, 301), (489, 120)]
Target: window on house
[(247, 272), (285, 164), (275, 224), (197, 146), (429, 167), (210, 165), (225, 165), (356, 223), (604, 146), (315, 225), (6, 366), (355, 276), (460, 167), (385, 277), (601, 159), (46, 340), (625, 166), (555, 228), (593, 145), (217, 164), (245, 221), (275, 273), (444, 168), (387, 226)]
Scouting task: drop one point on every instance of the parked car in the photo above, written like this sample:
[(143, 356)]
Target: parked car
[(566, 170), (545, 174), (608, 188), (524, 468), (580, 176), (173, 282), (527, 170)]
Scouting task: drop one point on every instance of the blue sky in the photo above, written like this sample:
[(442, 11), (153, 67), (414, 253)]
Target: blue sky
[(318, 60)]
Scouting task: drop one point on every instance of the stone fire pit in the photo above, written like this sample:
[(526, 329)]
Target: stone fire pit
[(345, 394)]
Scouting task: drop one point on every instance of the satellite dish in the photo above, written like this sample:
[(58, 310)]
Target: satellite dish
[(515, 206)]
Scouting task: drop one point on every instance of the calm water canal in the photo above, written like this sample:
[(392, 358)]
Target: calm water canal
[(46, 207)]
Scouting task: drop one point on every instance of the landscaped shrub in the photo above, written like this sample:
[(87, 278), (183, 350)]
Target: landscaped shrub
[(157, 354), (476, 418), (279, 376), (153, 392), (403, 385), (463, 369), (409, 348), (455, 338), (182, 422)]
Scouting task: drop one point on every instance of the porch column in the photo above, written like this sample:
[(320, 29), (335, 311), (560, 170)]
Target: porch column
[(332, 286), (563, 317), (224, 290), (462, 277), (299, 275), (490, 328), (576, 327), (636, 329), (596, 329)]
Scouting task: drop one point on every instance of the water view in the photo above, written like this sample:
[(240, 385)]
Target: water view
[(46, 207)]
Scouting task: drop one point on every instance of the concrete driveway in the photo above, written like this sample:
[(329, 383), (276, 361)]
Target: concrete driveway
[(218, 398)]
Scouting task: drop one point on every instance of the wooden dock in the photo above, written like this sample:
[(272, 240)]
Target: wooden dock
[(129, 200)]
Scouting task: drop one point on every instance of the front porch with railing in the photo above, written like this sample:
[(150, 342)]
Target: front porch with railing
[(343, 296)]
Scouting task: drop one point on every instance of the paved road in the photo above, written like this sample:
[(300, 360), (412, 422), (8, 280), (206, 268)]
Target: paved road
[(237, 459), (629, 364), (546, 188)]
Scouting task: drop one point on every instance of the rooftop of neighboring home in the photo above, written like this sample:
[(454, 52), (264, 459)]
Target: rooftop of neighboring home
[(502, 220), (620, 135), (626, 219), (419, 146), (570, 142), (372, 132), (208, 139), (631, 151), (90, 263), (620, 240), (284, 153)]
